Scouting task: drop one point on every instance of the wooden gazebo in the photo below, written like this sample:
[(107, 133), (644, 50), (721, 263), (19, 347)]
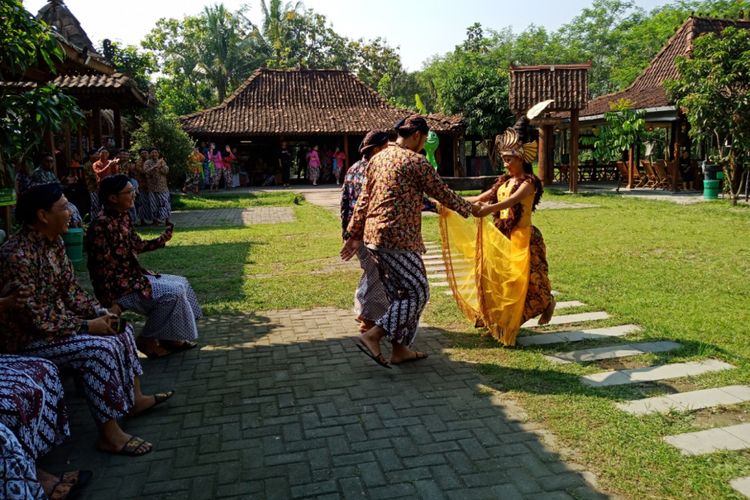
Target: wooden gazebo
[(567, 85)]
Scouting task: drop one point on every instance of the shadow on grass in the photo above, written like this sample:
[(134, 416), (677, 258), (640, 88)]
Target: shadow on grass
[(282, 405), (551, 379)]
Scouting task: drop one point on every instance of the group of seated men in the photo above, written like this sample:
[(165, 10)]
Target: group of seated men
[(49, 325)]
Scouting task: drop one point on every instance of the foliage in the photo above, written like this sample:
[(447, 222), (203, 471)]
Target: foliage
[(623, 128), (25, 114), (128, 59), (714, 92), (165, 133)]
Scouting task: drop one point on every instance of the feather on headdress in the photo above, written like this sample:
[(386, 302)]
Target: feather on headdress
[(511, 142)]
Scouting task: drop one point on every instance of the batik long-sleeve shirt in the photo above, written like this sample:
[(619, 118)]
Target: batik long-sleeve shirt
[(113, 246), (388, 211), (156, 172), (42, 176), (350, 191), (57, 307)]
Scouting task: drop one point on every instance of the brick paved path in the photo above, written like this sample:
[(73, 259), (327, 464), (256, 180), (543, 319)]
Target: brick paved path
[(222, 217), (282, 405)]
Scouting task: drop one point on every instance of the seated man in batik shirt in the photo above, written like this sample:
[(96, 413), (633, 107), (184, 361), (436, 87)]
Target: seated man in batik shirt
[(121, 283), (60, 322)]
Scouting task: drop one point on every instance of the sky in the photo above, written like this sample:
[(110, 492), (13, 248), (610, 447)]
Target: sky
[(420, 28)]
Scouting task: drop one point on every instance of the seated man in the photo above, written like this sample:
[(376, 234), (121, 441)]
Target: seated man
[(168, 302), (33, 410), (60, 322)]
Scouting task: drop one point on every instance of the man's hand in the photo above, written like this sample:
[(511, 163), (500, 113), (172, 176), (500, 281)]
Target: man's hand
[(102, 325), (169, 231), (476, 209), (350, 248), (115, 309), (13, 296)]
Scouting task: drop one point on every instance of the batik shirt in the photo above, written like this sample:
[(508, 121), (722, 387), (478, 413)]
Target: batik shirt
[(388, 212), (57, 307), (156, 175), (113, 246), (41, 176), (90, 177), (353, 181)]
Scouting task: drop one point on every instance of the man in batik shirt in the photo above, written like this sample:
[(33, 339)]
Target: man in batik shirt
[(60, 322), (121, 283), (388, 221)]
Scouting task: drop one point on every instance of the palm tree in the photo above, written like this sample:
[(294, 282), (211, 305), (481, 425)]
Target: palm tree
[(276, 17)]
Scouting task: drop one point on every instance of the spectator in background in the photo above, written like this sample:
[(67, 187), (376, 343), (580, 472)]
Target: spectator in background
[(313, 165), (155, 169), (285, 164), (89, 178)]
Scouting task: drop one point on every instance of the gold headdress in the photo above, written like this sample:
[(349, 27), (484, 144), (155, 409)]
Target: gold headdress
[(511, 141)]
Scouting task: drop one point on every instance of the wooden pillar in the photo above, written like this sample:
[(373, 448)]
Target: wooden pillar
[(79, 134), (96, 121), (118, 127), (672, 165), (573, 181), (461, 154), (545, 154), (68, 152), (631, 167)]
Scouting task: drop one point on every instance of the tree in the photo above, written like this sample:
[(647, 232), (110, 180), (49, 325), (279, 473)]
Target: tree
[(165, 133), (714, 92), (25, 114)]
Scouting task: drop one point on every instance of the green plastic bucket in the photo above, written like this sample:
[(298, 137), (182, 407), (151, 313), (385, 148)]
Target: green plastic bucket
[(710, 189), (74, 244)]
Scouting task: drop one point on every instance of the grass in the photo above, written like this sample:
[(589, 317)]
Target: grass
[(681, 272), (230, 200)]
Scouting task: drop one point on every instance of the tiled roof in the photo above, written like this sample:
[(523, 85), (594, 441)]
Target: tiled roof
[(56, 14), (84, 86), (567, 84), (647, 91), (304, 102)]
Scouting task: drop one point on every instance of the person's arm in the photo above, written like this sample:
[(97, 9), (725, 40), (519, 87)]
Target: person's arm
[(439, 190), (345, 208), (140, 245), (526, 189), (483, 197)]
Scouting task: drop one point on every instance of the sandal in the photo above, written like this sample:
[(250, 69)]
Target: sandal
[(70, 484), (150, 352), (132, 447), (159, 398), (379, 359), (178, 347), (417, 356)]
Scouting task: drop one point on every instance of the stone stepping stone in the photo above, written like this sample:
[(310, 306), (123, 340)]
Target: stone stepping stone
[(616, 351), (437, 276), (439, 284), (578, 335), (742, 485), (654, 373), (734, 437), (569, 319), (686, 401)]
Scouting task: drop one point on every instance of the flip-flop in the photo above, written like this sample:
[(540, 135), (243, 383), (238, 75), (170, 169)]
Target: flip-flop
[(185, 346), (70, 484), (379, 359), (159, 398), (418, 356), (130, 449)]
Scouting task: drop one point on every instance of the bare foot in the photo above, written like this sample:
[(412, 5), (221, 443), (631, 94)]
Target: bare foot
[(371, 341), (546, 316)]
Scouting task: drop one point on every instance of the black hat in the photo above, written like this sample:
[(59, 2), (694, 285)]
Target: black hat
[(373, 139)]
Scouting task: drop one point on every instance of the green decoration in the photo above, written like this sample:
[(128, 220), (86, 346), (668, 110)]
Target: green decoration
[(430, 147)]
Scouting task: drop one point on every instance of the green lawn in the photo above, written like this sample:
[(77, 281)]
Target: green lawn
[(681, 272)]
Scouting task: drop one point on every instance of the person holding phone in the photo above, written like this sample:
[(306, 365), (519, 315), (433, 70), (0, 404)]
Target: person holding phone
[(60, 322), (121, 283)]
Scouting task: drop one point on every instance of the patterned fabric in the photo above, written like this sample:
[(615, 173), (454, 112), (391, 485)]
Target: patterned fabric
[(405, 280), (388, 211), (89, 177), (539, 293), (140, 175), (353, 181), (370, 299), (113, 247), (42, 176), (32, 403), (171, 311), (95, 205), (106, 365), (313, 173), (104, 169), (57, 306), (156, 172), (17, 470), (160, 207)]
